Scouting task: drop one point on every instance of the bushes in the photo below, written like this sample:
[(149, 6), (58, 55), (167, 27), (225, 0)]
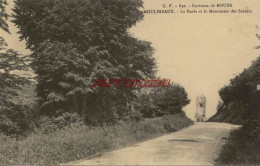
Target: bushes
[(16, 120), (235, 113), (66, 120), (162, 101), (10, 83), (243, 146), (19, 116), (241, 98), (81, 142)]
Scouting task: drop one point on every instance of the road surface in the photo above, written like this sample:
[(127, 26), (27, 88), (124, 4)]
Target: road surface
[(196, 145)]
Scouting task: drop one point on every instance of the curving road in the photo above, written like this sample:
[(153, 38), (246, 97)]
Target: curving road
[(196, 145)]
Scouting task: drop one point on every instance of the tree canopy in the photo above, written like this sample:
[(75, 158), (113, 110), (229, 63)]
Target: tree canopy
[(242, 90), (76, 41), (3, 16), (162, 101)]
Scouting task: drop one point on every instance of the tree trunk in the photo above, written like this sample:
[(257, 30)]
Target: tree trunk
[(84, 108)]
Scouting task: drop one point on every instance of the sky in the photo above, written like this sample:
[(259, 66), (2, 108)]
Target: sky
[(202, 52)]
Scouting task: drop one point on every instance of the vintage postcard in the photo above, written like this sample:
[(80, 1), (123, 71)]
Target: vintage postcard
[(129, 82)]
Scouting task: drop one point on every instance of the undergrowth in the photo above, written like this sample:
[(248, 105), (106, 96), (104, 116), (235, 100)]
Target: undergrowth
[(242, 146), (80, 142)]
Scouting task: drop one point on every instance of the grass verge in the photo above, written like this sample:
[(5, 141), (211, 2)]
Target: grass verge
[(83, 142), (242, 146)]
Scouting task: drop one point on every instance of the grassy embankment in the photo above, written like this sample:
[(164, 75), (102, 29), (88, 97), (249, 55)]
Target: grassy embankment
[(241, 106), (235, 113), (242, 146), (83, 142)]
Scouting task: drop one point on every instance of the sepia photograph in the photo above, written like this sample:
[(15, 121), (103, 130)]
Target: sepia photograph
[(129, 82)]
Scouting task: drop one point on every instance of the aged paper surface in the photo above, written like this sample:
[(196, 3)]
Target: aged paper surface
[(201, 45)]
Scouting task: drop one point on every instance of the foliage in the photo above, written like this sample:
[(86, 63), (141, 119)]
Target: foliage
[(241, 106), (243, 146), (85, 22), (220, 105), (14, 118), (76, 41), (47, 125), (3, 16), (10, 60), (72, 144), (161, 101), (241, 93), (26, 95)]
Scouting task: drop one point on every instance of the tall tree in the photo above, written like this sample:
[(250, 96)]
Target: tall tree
[(77, 41), (12, 116), (3, 16)]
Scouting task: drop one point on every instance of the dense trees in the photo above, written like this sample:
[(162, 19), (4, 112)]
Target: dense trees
[(12, 116), (162, 101), (76, 41), (241, 98), (3, 16), (241, 105)]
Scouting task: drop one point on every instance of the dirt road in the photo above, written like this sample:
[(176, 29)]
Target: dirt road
[(197, 145)]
